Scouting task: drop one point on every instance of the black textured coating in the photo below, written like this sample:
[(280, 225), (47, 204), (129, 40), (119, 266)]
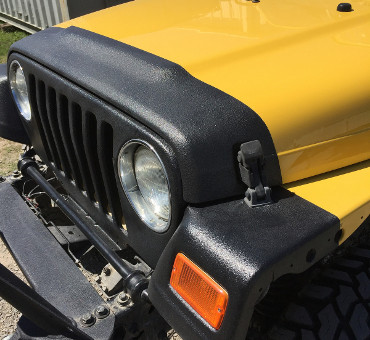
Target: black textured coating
[(244, 250), (47, 267), (147, 243), (11, 126), (202, 124), (336, 305), (26, 330)]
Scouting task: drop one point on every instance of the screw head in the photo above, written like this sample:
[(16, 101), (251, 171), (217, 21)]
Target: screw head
[(101, 312), (123, 299), (106, 271), (87, 320)]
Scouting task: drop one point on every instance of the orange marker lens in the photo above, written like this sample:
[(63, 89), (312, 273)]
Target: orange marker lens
[(200, 291)]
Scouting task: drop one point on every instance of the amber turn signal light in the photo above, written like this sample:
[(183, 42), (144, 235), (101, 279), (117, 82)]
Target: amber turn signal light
[(199, 290)]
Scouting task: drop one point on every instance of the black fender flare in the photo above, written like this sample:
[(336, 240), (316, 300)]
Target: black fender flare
[(11, 126), (243, 249)]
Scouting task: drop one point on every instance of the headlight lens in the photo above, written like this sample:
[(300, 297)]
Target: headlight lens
[(145, 183), (18, 86)]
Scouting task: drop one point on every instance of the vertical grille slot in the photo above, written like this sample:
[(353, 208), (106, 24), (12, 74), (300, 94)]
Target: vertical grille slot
[(51, 108), (63, 120), (105, 150), (36, 115), (41, 104), (89, 133), (79, 146), (75, 126)]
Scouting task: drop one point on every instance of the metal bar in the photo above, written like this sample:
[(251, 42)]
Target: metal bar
[(6, 9), (11, 9), (19, 10), (35, 307), (57, 18), (40, 14), (19, 23), (48, 268), (24, 12), (49, 19), (64, 10), (36, 19), (31, 11), (133, 280)]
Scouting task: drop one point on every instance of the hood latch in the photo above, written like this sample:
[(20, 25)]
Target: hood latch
[(251, 162)]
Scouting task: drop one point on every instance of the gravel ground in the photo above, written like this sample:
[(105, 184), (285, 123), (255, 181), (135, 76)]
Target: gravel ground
[(8, 315)]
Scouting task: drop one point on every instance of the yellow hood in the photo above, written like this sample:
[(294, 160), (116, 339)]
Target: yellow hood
[(301, 65)]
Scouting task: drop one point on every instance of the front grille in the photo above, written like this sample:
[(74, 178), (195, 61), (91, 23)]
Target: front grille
[(77, 145)]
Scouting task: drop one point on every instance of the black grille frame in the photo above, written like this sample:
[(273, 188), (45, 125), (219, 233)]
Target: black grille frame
[(79, 137)]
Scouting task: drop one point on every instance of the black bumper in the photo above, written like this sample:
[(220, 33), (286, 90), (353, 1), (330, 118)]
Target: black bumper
[(47, 267)]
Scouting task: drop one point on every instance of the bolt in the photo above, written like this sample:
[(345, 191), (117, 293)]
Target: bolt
[(16, 174), (106, 271), (123, 299), (101, 312), (87, 320)]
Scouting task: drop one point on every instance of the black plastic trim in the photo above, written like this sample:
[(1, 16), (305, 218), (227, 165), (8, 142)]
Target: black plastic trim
[(148, 243), (244, 250), (203, 125), (11, 126), (47, 267)]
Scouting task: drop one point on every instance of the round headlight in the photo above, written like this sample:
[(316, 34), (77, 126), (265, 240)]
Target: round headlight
[(145, 183), (18, 86)]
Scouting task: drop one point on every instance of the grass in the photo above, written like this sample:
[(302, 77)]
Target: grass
[(9, 151), (8, 35), (9, 154)]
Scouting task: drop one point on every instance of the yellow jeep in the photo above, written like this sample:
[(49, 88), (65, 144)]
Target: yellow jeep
[(203, 165)]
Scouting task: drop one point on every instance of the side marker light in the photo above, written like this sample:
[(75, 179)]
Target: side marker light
[(199, 290)]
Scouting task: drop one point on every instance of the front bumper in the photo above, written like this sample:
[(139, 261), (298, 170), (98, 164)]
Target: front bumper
[(243, 249), (57, 282)]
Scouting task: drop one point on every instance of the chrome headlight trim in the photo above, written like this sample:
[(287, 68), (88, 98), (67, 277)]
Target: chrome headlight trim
[(127, 176), (20, 94)]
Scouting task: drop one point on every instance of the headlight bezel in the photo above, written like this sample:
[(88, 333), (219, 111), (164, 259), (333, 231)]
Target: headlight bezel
[(128, 182), (23, 108)]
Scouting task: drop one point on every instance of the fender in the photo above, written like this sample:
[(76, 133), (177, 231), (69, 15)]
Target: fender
[(243, 250), (11, 126)]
